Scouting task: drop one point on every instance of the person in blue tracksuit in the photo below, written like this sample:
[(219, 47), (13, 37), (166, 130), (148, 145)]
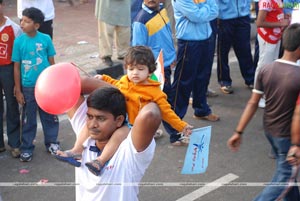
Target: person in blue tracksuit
[(192, 73), (234, 31)]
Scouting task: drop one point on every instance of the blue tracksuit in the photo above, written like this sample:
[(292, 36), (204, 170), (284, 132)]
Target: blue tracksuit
[(234, 31), (194, 59)]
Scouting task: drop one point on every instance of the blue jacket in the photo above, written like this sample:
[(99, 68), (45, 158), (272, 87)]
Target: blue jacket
[(152, 29), (192, 18), (230, 9)]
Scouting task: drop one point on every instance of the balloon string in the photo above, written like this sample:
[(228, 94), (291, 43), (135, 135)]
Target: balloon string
[(89, 75)]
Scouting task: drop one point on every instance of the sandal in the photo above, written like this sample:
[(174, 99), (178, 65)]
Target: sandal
[(158, 134), (70, 158), (210, 117), (179, 143), (94, 167)]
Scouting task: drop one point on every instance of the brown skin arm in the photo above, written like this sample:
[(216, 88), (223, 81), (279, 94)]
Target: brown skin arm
[(17, 79), (294, 152), (51, 60), (145, 125), (89, 84), (235, 140), (261, 21)]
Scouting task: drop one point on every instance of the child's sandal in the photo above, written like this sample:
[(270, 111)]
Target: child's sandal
[(94, 167)]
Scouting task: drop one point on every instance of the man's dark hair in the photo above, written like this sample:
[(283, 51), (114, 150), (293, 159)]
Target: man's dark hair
[(35, 14), (291, 37), (108, 99), (140, 55), (1, 1)]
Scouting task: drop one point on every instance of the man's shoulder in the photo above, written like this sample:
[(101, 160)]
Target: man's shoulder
[(143, 16)]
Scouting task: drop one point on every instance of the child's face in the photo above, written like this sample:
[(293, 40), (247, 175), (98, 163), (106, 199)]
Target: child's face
[(138, 73), (28, 26)]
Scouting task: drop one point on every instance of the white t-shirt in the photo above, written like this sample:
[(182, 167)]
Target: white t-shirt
[(46, 6), (125, 169)]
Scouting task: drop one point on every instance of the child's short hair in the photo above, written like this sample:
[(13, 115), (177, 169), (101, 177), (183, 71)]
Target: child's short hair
[(108, 99), (291, 37), (35, 14), (140, 55)]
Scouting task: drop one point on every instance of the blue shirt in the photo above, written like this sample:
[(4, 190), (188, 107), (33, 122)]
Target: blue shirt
[(32, 53), (230, 9), (152, 29)]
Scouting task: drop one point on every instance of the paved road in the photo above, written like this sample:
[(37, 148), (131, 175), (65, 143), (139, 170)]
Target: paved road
[(163, 181)]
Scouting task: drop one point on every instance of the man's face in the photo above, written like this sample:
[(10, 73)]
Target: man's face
[(152, 4), (101, 124)]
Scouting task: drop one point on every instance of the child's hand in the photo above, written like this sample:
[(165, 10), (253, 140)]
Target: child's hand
[(19, 96), (98, 77), (187, 130)]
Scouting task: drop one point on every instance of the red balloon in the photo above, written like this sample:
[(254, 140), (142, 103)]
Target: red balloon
[(58, 88)]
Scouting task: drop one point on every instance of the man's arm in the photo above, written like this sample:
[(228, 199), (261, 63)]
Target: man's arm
[(235, 140), (145, 125), (88, 84), (294, 152)]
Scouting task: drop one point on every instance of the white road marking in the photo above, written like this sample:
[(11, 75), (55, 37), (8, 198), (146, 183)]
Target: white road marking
[(209, 187)]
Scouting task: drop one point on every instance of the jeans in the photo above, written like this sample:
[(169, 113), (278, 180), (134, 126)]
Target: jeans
[(49, 122), (12, 107), (283, 171), (192, 73)]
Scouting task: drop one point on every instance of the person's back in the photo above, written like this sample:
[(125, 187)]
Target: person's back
[(280, 82)]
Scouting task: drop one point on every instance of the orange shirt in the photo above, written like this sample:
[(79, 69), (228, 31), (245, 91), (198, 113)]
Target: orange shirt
[(138, 95)]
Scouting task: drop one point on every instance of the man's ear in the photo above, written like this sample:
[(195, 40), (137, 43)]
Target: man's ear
[(120, 120)]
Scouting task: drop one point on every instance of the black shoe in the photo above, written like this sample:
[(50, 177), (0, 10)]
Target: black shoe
[(107, 60), (120, 58)]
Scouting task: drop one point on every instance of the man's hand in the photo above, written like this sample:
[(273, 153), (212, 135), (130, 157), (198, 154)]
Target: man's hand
[(234, 142), (293, 156)]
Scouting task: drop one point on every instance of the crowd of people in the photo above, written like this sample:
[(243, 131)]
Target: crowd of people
[(120, 117)]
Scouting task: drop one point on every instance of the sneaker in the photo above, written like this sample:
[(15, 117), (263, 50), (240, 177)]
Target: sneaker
[(211, 93), (15, 152), (227, 89), (53, 148), (25, 157), (107, 61), (262, 103)]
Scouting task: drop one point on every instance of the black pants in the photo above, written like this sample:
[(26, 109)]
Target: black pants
[(47, 28)]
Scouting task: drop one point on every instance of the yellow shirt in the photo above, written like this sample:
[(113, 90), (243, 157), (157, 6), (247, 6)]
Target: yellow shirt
[(138, 95)]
